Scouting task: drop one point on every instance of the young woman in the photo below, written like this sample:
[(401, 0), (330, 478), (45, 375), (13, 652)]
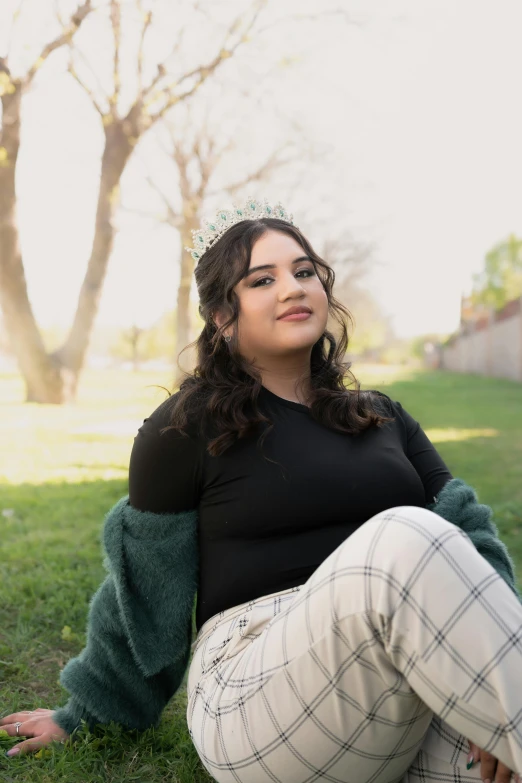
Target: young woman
[(344, 631)]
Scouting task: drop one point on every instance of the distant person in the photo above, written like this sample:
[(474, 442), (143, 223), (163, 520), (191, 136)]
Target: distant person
[(345, 630)]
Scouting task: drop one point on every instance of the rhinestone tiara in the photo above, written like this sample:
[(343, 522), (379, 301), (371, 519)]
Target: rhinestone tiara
[(251, 210)]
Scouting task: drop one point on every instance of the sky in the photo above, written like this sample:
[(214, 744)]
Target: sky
[(419, 106)]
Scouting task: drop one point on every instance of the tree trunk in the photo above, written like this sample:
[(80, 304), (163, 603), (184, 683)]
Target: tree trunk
[(116, 153), (183, 304), (41, 373), (134, 337)]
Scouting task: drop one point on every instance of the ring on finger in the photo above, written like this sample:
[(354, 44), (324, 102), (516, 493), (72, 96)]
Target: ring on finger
[(17, 727)]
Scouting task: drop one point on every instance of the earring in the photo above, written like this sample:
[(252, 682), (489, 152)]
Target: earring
[(228, 338)]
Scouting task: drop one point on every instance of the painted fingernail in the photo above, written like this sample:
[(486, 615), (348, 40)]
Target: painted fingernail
[(13, 752), (470, 761)]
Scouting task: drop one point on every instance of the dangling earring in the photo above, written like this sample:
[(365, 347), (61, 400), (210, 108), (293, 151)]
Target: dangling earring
[(228, 338)]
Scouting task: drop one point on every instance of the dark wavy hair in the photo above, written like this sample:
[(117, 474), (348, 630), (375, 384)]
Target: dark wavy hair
[(224, 387)]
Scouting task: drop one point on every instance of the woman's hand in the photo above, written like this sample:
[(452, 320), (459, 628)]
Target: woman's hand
[(491, 769), (38, 725)]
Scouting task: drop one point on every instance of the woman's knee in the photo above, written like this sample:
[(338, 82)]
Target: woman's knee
[(416, 518), (409, 529), (393, 544)]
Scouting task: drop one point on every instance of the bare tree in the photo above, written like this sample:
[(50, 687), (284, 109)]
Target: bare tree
[(349, 258), (201, 154), (40, 371), (133, 337), (45, 374), (371, 328), (124, 123), (122, 132)]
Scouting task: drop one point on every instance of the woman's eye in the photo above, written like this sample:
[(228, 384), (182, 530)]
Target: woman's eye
[(307, 272)]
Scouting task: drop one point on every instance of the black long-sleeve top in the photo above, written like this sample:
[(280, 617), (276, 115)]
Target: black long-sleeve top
[(265, 527)]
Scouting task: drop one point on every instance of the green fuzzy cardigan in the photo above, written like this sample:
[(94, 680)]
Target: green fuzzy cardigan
[(139, 628)]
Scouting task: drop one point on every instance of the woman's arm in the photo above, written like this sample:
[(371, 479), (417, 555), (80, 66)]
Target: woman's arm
[(140, 622), (452, 498), (458, 503)]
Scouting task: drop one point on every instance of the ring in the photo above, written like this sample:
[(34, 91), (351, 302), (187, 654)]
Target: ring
[(17, 727)]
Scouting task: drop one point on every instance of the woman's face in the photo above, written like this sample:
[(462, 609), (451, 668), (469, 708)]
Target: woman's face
[(265, 294)]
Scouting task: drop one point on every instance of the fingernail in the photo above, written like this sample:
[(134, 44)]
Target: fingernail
[(487, 780), (13, 752), (470, 761)]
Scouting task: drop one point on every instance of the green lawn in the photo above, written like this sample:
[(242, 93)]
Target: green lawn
[(62, 468)]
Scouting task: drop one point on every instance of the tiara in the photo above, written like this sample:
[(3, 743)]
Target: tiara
[(251, 210)]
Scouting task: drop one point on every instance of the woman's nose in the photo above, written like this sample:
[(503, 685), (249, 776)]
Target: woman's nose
[(290, 285)]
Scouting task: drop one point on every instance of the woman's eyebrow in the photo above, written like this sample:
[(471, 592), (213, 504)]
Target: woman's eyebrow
[(273, 266)]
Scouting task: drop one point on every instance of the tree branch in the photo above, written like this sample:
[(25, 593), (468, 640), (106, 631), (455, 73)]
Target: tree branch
[(65, 37), (172, 217), (258, 175), (14, 18), (147, 19), (202, 72), (207, 164), (162, 67), (115, 15), (72, 70), (83, 58)]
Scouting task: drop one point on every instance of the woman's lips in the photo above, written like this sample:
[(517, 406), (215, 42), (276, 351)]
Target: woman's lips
[(296, 317)]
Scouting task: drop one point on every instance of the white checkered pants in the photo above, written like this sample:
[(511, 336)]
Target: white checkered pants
[(402, 644)]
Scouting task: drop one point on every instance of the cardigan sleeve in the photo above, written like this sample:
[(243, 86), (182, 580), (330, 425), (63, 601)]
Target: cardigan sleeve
[(457, 502), (139, 624)]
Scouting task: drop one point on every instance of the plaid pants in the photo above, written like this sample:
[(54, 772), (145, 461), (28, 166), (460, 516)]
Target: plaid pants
[(401, 645)]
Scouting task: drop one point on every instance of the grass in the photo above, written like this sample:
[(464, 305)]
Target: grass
[(62, 468)]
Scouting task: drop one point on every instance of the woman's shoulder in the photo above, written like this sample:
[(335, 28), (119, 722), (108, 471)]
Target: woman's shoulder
[(379, 399), (162, 419), (165, 464)]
